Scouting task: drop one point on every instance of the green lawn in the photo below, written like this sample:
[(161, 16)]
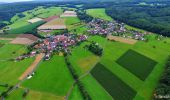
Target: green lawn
[(51, 76), (137, 64), (99, 13), (112, 84)]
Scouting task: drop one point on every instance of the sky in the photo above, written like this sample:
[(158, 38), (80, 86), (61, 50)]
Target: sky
[(13, 0)]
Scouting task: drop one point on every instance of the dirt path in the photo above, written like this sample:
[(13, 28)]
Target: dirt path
[(32, 67)]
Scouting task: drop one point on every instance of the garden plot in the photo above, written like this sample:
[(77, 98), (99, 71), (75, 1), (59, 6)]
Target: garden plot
[(137, 64), (112, 84)]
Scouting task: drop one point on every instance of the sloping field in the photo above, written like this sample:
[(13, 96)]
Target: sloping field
[(112, 84), (26, 28), (58, 23), (136, 63), (99, 13), (51, 76)]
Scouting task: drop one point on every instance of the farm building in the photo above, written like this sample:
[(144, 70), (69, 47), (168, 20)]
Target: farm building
[(34, 20), (55, 24), (69, 14), (50, 18), (25, 39)]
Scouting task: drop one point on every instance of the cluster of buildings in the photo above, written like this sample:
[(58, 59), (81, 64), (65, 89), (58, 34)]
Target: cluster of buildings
[(103, 27), (54, 43)]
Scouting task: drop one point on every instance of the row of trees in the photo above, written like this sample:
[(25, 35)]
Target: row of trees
[(163, 89), (84, 93)]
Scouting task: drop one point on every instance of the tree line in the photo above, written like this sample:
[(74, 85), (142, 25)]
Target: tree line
[(163, 89)]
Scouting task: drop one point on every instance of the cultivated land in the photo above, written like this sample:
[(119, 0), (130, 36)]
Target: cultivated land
[(113, 85), (53, 81), (132, 60)]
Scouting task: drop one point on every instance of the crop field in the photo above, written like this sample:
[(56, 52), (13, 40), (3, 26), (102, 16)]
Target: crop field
[(58, 23), (51, 76), (19, 25), (113, 85), (99, 13), (137, 64)]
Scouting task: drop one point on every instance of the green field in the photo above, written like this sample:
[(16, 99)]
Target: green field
[(99, 13), (26, 28), (137, 64), (51, 76), (113, 85), (9, 51)]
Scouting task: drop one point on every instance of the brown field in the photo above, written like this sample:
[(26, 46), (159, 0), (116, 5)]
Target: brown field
[(121, 39), (58, 23), (25, 39), (36, 95), (32, 67), (69, 14)]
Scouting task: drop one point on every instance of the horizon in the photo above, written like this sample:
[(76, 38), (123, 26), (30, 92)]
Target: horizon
[(11, 1)]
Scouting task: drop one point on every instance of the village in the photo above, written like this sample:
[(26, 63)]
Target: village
[(107, 28)]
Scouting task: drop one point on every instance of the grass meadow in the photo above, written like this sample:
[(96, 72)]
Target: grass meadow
[(51, 76)]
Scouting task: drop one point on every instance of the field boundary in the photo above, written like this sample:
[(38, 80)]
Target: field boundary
[(32, 67)]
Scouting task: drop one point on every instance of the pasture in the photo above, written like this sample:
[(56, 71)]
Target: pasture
[(51, 76), (137, 64), (113, 85)]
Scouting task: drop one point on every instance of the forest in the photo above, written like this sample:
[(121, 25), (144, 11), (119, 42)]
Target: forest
[(152, 17)]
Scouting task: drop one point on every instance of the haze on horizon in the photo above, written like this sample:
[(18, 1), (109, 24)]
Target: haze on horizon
[(9, 1)]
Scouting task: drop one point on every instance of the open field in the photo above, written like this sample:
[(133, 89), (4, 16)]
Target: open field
[(55, 24), (121, 39), (11, 71), (113, 85), (137, 64), (51, 76), (99, 13), (82, 59), (11, 51)]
